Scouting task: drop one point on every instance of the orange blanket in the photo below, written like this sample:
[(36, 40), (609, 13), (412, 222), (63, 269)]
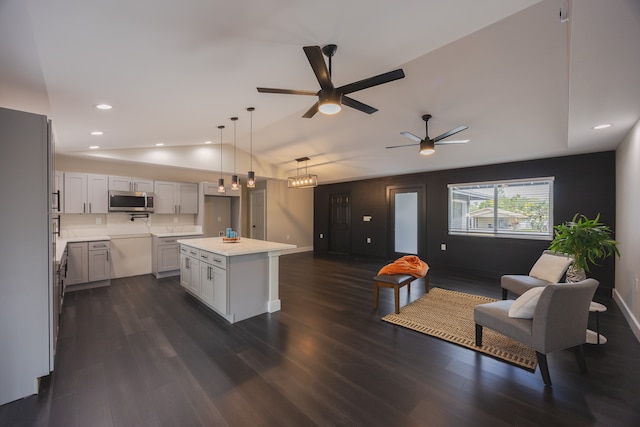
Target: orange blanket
[(408, 264)]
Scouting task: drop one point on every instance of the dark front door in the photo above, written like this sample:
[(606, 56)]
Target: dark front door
[(339, 234)]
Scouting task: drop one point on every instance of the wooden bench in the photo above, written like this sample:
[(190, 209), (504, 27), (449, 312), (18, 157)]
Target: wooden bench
[(395, 281)]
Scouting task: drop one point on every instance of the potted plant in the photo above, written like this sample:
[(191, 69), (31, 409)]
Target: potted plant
[(586, 240)]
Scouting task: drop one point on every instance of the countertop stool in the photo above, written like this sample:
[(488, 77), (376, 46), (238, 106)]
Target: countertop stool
[(395, 281), (595, 337)]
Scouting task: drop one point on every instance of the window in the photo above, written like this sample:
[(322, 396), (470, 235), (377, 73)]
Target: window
[(517, 208)]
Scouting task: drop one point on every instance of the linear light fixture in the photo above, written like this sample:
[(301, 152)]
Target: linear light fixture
[(305, 180)]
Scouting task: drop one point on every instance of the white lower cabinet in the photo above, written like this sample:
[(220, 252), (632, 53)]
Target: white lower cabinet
[(88, 265), (78, 263), (165, 255), (99, 262), (204, 275), (190, 270), (213, 279)]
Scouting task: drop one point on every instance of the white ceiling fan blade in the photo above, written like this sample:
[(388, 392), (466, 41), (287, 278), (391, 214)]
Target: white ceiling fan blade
[(411, 136), (453, 141), (405, 145)]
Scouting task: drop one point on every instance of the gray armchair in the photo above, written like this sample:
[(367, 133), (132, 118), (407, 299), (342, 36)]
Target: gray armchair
[(550, 268), (559, 322)]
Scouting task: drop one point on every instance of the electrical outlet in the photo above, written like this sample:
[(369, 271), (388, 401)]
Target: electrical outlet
[(175, 219), (368, 239), (443, 246), (288, 237), (321, 236), (99, 221)]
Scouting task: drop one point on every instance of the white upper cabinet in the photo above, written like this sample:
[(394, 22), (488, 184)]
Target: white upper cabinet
[(85, 193), (125, 183), (175, 197)]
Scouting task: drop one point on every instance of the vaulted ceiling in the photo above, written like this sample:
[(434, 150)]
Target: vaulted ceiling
[(528, 84)]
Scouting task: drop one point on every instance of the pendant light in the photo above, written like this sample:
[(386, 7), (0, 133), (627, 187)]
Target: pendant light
[(251, 175), (221, 188), (234, 178), (305, 180)]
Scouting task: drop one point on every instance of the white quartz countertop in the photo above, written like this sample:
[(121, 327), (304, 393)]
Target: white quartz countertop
[(61, 243), (178, 234), (243, 246)]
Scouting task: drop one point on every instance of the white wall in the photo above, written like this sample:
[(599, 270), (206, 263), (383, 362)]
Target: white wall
[(290, 215), (627, 289)]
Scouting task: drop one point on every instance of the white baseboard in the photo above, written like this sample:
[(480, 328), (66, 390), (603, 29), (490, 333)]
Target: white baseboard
[(631, 319)]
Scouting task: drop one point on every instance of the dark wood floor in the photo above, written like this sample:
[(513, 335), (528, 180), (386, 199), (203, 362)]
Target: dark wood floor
[(143, 353)]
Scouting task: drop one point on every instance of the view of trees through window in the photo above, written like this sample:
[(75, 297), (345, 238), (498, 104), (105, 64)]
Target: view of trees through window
[(524, 208)]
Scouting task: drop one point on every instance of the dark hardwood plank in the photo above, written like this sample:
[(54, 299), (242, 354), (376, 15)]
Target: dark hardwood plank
[(144, 353)]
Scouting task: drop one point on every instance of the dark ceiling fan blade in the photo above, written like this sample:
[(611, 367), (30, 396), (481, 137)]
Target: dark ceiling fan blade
[(286, 91), (311, 111), (400, 146), (350, 102), (451, 132), (411, 136), (372, 81), (314, 55)]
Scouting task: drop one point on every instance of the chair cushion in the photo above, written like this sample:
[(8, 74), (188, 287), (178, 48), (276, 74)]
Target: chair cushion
[(550, 267), (525, 305), (394, 279), (495, 316)]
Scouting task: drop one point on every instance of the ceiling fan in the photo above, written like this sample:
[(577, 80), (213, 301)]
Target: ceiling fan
[(331, 98), (427, 144)]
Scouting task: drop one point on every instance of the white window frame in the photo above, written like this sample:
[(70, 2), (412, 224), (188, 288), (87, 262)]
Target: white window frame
[(492, 229)]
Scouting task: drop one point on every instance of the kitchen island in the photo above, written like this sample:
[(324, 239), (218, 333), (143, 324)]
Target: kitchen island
[(236, 279)]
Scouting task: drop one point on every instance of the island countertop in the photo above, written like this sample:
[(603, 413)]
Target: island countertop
[(243, 246)]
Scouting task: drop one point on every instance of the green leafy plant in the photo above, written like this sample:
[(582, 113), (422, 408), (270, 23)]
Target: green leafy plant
[(587, 240)]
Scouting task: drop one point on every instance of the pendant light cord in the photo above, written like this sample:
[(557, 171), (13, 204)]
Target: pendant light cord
[(220, 127)]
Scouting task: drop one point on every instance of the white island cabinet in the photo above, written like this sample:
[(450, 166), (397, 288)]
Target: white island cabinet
[(236, 280)]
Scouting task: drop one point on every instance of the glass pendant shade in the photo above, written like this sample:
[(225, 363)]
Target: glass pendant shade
[(234, 182), (251, 179), (221, 188)]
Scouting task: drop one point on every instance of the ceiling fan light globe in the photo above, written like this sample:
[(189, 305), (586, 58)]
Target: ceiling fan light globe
[(329, 107), (427, 147), (329, 102)]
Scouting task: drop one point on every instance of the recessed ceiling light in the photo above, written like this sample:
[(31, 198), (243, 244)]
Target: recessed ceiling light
[(103, 106), (97, 133), (159, 144), (94, 147), (602, 126), (207, 142)]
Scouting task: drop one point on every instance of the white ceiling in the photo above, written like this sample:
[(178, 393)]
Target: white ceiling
[(527, 85)]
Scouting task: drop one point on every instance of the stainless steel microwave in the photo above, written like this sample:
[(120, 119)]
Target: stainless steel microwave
[(130, 201)]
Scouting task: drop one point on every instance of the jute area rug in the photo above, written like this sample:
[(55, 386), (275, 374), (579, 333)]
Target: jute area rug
[(448, 315)]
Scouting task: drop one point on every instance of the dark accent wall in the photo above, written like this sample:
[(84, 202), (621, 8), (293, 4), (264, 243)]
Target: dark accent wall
[(583, 184)]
